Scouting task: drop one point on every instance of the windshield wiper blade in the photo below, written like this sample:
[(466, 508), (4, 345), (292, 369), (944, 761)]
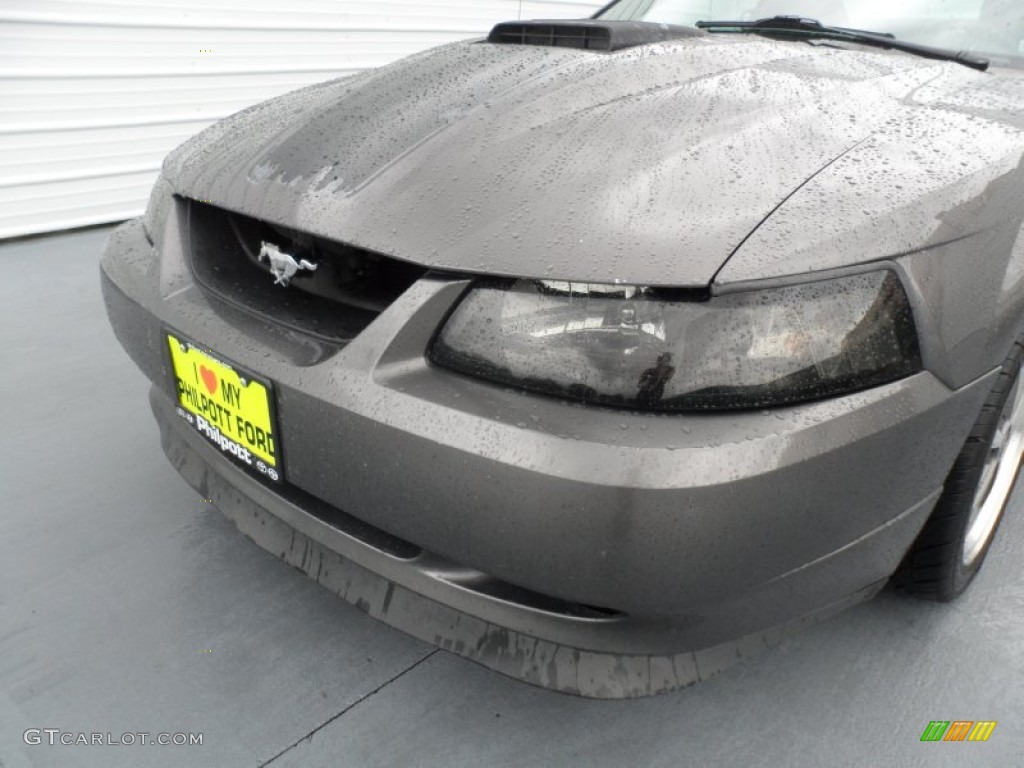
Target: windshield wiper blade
[(815, 29)]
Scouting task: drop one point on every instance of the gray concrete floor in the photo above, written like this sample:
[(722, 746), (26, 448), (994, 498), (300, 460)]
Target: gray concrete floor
[(128, 605)]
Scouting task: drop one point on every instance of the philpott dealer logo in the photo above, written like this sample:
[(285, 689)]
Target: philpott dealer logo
[(958, 730)]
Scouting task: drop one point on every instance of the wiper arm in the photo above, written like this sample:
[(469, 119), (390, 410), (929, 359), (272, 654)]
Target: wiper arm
[(815, 29)]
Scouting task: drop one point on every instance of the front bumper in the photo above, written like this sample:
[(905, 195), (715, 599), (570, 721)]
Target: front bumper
[(493, 522)]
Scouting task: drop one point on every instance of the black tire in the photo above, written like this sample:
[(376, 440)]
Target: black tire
[(943, 560)]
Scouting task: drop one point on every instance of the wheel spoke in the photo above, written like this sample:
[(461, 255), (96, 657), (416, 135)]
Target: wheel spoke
[(998, 476)]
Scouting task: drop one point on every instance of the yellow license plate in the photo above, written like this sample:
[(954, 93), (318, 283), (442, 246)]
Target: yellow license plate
[(231, 409)]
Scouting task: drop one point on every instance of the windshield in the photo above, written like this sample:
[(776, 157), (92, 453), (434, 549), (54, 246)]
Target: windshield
[(994, 28)]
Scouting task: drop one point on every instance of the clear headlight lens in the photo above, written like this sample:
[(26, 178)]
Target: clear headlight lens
[(161, 199), (645, 348)]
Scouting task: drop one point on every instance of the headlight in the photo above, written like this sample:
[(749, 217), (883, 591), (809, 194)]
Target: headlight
[(645, 348), (161, 200)]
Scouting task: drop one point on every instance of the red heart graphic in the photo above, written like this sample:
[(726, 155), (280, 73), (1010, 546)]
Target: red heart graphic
[(209, 378)]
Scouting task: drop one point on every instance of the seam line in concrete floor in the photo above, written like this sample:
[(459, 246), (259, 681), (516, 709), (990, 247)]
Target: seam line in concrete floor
[(350, 707)]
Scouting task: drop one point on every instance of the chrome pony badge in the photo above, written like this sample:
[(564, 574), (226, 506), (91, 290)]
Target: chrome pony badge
[(283, 266)]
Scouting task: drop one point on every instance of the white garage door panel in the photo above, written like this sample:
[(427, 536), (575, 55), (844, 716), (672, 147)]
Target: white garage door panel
[(196, 110), (93, 141), (27, 177), (81, 202), (28, 112), (94, 94), (127, 51), (555, 10), (261, 14), (468, 16), (109, 142), (43, 157), (45, 89)]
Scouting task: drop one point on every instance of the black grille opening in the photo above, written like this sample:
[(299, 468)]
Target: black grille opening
[(483, 584), (348, 289), (352, 526), (446, 570), (588, 35)]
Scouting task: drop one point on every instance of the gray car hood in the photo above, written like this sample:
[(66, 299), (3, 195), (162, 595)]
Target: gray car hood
[(650, 165)]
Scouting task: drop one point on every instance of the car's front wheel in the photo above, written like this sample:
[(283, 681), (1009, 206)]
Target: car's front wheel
[(953, 543)]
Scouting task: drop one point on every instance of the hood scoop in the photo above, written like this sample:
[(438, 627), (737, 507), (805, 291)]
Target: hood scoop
[(589, 35)]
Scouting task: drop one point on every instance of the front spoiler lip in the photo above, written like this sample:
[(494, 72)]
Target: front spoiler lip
[(325, 555)]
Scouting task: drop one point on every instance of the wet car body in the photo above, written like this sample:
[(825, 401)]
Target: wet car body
[(592, 549)]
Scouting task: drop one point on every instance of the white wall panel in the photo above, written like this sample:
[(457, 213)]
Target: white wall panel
[(94, 94)]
